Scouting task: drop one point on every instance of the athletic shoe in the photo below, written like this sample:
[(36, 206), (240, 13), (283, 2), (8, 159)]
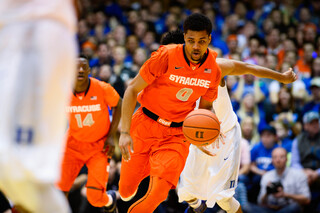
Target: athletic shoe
[(113, 207), (200, 209)]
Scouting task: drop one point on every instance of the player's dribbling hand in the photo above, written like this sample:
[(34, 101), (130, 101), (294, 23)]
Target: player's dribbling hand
[(289, 76), (125, 141), (108, 147)]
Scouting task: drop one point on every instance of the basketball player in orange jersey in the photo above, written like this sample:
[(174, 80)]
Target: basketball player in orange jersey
[(205, 186), (90, 136), (168, 84)]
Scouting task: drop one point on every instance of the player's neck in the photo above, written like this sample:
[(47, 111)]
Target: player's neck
[(81, 86)]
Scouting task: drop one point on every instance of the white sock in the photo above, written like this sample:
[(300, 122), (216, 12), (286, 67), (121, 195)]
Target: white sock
[(195, 204), (110, 200)]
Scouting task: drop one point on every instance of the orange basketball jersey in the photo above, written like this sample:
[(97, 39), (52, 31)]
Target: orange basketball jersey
[(174, 85), (89, 114)]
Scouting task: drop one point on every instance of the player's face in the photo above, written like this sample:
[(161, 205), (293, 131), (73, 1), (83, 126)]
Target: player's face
[(196, 44), (83, 70)]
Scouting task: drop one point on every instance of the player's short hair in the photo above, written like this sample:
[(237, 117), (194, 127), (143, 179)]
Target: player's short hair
[(197, 22), (172, 37)]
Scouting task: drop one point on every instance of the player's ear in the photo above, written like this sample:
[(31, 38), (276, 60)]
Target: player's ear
[(209, 38)]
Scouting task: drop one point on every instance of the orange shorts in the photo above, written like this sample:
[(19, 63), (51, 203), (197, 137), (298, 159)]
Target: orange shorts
[(76, 155), (158, 151)]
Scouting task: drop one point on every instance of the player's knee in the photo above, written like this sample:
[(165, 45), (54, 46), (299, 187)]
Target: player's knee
[(97, 198), (127, 192)]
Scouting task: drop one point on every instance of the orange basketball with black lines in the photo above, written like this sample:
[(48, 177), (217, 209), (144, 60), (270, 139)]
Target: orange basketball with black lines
[(201, 127)]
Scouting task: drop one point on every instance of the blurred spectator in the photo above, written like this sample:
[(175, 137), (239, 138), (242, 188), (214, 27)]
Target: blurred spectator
[(249, 130), (139, 57), (315, 72), (288, 45), (132, 44), (250, 84), (298, 88), (83, 32), (273, 41), (106, 75), (305, 155), (119, 54), (250, 53), (103, 56), (101, 27), (248, 107), (303, 66), (314, 103), (232, 42), (284, 106), (88, 49), (261, 159), (243, 179), (282, 129), (119, 34), (271, 62), (310, 33), (283, 189)]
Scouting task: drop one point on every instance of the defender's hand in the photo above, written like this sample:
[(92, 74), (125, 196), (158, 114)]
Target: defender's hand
[(125, 141), (289, 77)]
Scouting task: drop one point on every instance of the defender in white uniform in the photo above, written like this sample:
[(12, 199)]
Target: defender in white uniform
[(214, 179), (37, 69)]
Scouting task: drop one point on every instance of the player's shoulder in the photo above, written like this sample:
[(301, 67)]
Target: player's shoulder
[(99, 84), (170, 48), (212, 53)]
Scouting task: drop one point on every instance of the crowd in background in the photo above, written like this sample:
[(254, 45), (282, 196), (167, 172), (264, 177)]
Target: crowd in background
[(119, 36)]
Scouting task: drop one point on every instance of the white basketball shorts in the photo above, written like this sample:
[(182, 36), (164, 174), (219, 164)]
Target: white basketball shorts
[(212, 178)]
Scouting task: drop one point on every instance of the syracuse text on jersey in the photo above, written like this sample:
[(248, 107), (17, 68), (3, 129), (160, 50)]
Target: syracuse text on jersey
[(190, 81), (85, 108)]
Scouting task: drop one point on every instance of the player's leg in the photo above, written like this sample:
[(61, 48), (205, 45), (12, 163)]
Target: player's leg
[(157, 192), (138, 167), (228, 202), (37, 79), (167, 161), (196, 205), (70, 166), (97, 181), (230, 205), (132, 173)]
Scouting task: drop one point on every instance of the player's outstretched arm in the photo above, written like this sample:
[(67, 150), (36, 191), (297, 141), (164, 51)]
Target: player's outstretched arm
[(233, 67), (128, 105), (113, 129)]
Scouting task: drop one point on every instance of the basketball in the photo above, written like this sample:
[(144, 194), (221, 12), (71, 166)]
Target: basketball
[(201, 127)]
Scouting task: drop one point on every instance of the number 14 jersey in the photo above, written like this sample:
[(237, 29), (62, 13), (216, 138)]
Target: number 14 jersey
[(89, 113)]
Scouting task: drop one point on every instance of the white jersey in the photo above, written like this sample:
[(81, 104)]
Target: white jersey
[(214, 179), (224, 110), (13, 11)]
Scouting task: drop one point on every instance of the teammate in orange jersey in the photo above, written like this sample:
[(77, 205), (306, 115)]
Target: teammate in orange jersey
[(90, 136), (171, 82)]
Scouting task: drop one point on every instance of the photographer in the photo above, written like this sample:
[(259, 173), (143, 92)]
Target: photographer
[(283, 189)]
